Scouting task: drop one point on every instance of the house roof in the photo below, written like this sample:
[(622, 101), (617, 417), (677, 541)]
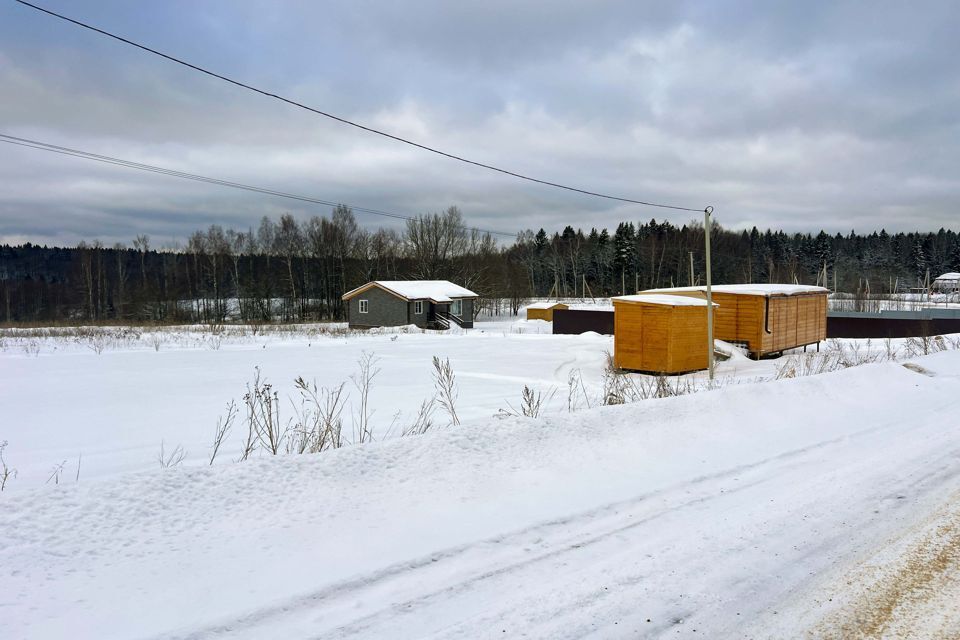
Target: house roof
[(436, 290), (947, 277), (664, 299), (765, 290), (546, 305)]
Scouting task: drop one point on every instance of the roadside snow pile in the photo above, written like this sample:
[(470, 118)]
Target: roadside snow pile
[(696, 513)]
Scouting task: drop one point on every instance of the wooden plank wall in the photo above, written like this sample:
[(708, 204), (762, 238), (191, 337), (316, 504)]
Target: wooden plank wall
[(660, 338), (795, 321), (688, 344), (739, 318), (736, 318), (640, 337)]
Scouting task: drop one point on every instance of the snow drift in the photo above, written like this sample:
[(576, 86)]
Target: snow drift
[(701, 513)]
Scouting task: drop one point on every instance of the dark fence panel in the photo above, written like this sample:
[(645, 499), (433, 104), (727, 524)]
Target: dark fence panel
[(574, 321), (851, 326), (848, 325)]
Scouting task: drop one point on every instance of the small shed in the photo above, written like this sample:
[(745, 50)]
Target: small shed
[(544, 310), (660, 333), (767, 318)]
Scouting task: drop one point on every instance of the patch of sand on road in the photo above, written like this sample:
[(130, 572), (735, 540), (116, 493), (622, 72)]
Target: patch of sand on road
[(909, 589)]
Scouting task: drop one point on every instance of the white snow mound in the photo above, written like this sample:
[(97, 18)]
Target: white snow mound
[(705, 511)]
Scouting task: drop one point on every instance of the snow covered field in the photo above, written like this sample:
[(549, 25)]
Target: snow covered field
[(108, 411), (762, 509)]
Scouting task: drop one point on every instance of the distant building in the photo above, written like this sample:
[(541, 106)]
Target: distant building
[(544, 310), (429, 304), (947, 283)]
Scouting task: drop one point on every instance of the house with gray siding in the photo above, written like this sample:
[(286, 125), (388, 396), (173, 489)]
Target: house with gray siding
[(429, 304)]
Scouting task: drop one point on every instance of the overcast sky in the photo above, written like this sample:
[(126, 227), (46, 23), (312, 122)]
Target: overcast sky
[(800, 116)]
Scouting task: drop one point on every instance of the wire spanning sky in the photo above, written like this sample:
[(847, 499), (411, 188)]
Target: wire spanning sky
[(820, 115)]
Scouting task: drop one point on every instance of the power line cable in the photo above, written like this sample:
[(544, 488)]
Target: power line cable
[(344, 120), (86, 155)]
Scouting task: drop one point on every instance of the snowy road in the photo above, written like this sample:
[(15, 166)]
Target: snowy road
[(735, 513)]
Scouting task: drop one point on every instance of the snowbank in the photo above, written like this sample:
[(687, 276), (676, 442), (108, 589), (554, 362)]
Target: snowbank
[(703, 511)]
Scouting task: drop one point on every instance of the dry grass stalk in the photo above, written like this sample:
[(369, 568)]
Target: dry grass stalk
[(224, 425), (423, 421), (446, 384), (6, 472), (171, 459), (363, 381)]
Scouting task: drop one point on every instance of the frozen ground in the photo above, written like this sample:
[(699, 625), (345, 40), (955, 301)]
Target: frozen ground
[(109, 411), (815, 505), (103, 401)]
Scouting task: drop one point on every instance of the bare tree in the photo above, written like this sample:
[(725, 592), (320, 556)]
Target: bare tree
[(344, 237), (142, 244), (433, 241), (385, 247), (197, 250), (289, 244), (122, 274)]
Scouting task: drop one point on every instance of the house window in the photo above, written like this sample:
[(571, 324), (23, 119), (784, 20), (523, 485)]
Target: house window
[(418, 307), (456, 307), (364, 306)]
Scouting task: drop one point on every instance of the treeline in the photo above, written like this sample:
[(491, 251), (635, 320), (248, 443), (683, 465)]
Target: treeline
[(291, 271), (660, 254), (284, 270)]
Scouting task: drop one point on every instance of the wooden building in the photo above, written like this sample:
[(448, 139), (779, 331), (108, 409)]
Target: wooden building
[(544, 310), (660, 333), (766, 318)]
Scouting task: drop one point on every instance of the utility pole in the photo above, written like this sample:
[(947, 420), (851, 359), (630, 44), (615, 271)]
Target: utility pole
[(706, 235), (691, 269)]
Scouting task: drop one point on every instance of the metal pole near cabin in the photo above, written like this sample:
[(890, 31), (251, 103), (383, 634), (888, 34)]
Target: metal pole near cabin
[(706, 234)]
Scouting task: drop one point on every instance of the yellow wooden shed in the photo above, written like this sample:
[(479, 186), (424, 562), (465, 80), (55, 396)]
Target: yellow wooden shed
[(544, 310), (766, 318), (660, 333)]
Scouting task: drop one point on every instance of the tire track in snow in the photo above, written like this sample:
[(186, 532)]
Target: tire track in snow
[(588, 528), (590, 537)]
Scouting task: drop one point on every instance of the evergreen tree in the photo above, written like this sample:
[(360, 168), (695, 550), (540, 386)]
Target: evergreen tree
[(918, 259), (953, 262)]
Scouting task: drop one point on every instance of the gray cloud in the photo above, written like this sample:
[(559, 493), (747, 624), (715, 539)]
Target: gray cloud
[(801, 116)]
